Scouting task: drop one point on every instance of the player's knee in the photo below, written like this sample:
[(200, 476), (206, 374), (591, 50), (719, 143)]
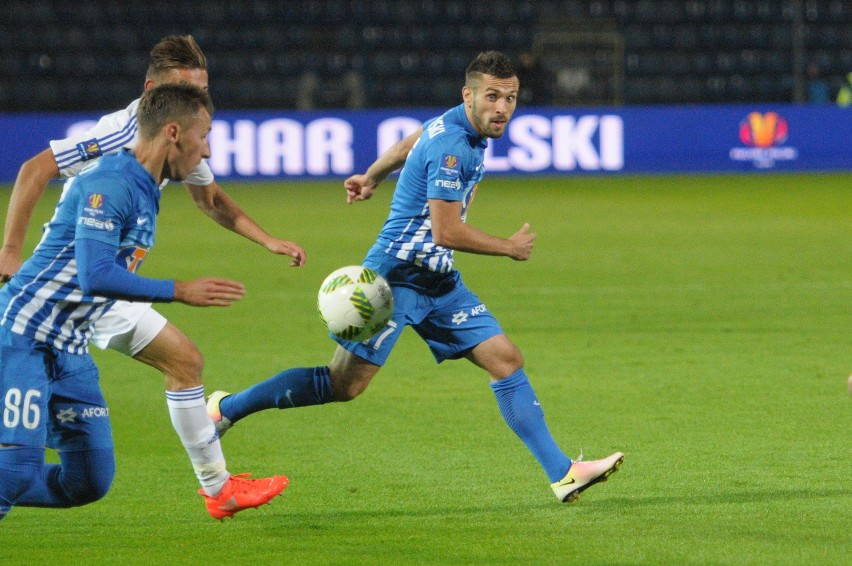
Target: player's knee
[(99, 486), (515, 358), (174, 354), (91, 487), (193, 361), (509, 361), (349, 375), (498, 356), (89, 492), (184, 371), (346, 387), (346, 391)]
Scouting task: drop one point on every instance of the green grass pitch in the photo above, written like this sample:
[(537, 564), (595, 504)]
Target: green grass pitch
[(700, 324)]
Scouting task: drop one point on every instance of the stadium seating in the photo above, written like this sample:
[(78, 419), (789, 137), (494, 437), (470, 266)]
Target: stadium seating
[(91, 54)]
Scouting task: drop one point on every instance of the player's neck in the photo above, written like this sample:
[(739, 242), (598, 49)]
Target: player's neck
[(151, 155)]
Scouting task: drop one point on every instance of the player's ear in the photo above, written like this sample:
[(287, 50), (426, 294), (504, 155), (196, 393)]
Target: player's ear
[(467, 95), (149, 83), (172, 131)]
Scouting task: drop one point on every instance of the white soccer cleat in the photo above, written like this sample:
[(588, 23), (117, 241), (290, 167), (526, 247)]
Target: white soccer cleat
[(221, 422), (583, 475)]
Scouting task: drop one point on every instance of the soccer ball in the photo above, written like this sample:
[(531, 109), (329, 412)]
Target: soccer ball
[(355, 303)]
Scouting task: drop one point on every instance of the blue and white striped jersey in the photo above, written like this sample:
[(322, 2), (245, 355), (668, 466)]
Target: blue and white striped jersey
[(114, 200), (446, 163), (111, 133)]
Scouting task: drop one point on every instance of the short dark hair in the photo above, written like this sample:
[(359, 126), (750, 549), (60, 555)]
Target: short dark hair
[(175, 52), (491, 63), (179, 102)]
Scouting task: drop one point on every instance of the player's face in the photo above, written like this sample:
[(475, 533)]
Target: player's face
[(489, 104), (190, 148)]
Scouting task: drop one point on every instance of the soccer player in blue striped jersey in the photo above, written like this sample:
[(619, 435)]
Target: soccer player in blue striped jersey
[(443, 166), (101, 232), (135, 328)]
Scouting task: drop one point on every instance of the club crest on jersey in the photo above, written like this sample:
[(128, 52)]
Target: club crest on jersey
[(450, 165), (89, 149), (96, 200)]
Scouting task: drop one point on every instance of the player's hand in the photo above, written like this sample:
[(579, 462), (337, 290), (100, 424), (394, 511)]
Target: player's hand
[(10, 263), (359, 187), (208, 292), (523, 241), (283, 247)]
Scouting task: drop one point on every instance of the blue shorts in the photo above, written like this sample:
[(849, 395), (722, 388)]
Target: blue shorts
[(49, 397), (441, 309)]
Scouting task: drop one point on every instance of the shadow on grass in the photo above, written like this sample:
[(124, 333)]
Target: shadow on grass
[(439, 512), (727, 497), (742, 496)]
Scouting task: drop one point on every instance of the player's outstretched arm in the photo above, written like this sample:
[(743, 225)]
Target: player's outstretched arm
[(362, 186), (32, 179), (219, 206), (449, 231), (208, 292), (100, 275)]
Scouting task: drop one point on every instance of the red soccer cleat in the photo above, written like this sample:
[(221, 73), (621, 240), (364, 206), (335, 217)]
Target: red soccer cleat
[(241, 493)]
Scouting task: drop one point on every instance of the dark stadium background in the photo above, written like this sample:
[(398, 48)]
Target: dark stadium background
[(91, 55)]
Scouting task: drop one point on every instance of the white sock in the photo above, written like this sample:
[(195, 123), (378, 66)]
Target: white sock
[(199, 437)]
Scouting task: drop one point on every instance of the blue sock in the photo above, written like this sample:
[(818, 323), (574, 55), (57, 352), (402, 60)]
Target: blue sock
[(82, 477), (296, 387), (19, 465), (522, 412)]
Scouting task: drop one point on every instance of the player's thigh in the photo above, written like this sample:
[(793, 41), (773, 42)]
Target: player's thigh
[(498, 356), (79, 415), (128, 327), (25, 387), (174, 354)]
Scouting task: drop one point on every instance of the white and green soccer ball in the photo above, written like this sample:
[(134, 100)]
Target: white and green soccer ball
[(355, 303)]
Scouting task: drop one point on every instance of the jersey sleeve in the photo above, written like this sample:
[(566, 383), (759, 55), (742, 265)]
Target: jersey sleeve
[(111, 133), (444, 172), (202, 175), (99, 274), (105, 204)]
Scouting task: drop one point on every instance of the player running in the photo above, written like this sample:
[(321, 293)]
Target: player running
[(102, 230), (135, 328), (414, 252)]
